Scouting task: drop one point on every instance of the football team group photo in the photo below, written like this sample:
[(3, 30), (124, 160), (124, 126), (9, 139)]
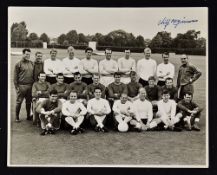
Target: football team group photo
[(114, 98)]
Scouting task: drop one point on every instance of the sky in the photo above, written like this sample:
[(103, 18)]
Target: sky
[(140, 21)]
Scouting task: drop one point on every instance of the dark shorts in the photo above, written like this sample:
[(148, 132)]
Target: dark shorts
[(51, 80), (161, 83), (87, 80), (143, 82), (68, 80)]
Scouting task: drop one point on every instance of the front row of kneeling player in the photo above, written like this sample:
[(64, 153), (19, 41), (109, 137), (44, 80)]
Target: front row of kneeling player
[(137, 116)]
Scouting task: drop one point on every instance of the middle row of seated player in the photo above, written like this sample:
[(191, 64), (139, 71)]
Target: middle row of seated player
[(138, 115), (41, 89)]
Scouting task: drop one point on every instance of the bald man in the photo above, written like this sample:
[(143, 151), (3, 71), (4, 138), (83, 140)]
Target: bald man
[(187, 75), (146, 67), (71, 65)]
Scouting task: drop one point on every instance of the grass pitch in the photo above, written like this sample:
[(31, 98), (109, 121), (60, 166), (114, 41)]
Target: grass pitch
[(27, 147)]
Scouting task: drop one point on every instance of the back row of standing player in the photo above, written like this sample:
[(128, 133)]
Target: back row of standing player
[(71, 69)]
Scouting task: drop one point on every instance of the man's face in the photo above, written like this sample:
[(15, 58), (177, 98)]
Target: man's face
[(108, 54), (123, 98), (184, 60), (88, 54), (97, 93), (133, 77), (127, 54), (73, 97), (38, 58), (42, 77), (53, 98), (95, 79), (142, 94), (78, 78), (169, 83), (26, 55), (117, 78), (71, 52), (165, 58), (166, 97), (60, 79), (151, 83), (188, 98), (147, 54), (53, 55)]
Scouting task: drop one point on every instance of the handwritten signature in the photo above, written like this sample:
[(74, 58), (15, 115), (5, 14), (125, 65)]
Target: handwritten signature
[(175, 22)]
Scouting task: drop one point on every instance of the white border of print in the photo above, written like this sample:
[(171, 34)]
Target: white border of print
[(104, 165)]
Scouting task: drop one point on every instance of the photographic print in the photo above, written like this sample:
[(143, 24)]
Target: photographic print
[(108, 87)]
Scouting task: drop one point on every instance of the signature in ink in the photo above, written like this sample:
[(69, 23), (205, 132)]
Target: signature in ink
[(175, 22)]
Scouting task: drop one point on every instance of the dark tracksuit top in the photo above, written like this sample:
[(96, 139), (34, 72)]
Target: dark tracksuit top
[(23, 73), (184, 107), (43, 87), (38, 68)]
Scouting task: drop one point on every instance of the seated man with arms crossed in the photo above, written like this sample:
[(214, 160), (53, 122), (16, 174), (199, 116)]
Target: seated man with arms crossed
[(60, 87), (98, 108), (190, 112), (39, 93), (133, 87), (166, 114), (49, 111), (74, 112), (122, 111), (143, 112), (153, 92), (79, 87)]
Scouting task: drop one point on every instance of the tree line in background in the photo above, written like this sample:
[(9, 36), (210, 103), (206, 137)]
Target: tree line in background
[(116, 39)]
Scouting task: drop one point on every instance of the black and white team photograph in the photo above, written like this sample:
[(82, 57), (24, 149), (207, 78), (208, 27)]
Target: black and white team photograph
[(107, 87)]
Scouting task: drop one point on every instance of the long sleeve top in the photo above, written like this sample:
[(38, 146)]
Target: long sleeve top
[(88, 67), (23, 73), (48, 105), (53, 67), (143, 110), (116, 89), (126, 65), (62, 89), (167, 109), (185, 106), (80, 88), (96, 105), (70, 66), (146, 68), (120, 108), (70, 109), (187, 72), (108, 67), (165, 70), (40, 86)]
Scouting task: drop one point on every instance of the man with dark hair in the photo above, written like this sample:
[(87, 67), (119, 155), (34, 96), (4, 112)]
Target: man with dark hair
[(107, 68), (39, 93), (52, 67), (88, 66), (96, 83), (23, 80), (98, 108), (126, 64), (153, 92), (170, 88), (79, 87), (146, 67), (38, 65), (187, 75), (165, 70), (133, 87), (60, 87), (49, 111), (190, 112), (71, 65), (166, 114)]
